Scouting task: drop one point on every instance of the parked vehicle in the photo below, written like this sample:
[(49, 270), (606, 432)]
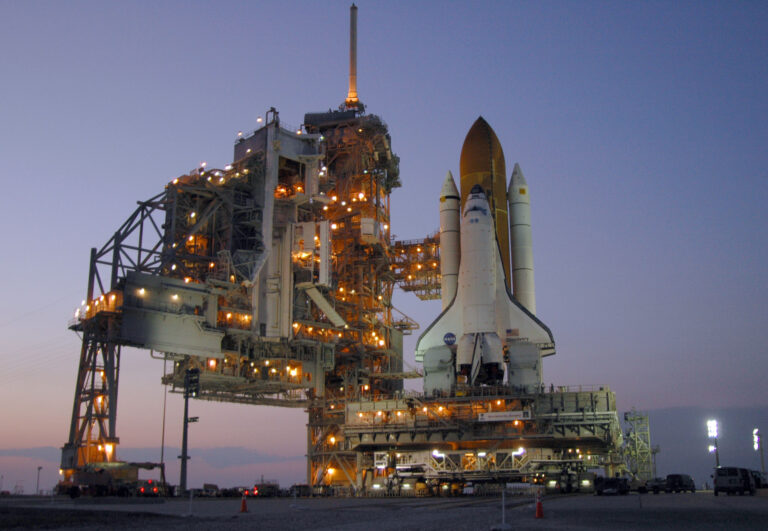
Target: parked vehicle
[(680, 483), (211, 490), (113, 479), (301, 491), (151, 488), (586, 482), (731, 480), (611, 486), (656, 485), (266, 489), (760, 482), (569, 481)]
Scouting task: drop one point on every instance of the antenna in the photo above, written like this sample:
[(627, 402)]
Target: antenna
[(352, 102)]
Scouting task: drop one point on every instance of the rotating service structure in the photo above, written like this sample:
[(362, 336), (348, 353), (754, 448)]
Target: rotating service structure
[(271, 276)]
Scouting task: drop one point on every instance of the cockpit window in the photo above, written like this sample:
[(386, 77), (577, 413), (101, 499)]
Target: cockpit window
[(476, 209)]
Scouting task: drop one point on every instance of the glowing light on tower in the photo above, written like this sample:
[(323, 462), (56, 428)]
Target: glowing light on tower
[(757, 444), (712, 434)]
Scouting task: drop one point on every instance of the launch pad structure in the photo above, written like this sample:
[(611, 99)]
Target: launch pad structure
[(271, 280)]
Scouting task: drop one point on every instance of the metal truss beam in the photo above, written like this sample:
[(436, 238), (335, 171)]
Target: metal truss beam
[(93, 428)]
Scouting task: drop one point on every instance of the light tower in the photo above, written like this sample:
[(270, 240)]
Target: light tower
[(712, 434), (757, 444), (191, 389)]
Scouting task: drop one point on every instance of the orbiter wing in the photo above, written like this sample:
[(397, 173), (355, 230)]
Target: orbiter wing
[(514, 324)]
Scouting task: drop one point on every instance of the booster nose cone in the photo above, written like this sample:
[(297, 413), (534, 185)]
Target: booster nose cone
[(518, 179), (449, 189)]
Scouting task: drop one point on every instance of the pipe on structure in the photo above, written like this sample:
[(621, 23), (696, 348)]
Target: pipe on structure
[(352, 100)]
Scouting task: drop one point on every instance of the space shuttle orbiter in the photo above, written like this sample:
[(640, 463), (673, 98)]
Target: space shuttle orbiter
[(484, 331)]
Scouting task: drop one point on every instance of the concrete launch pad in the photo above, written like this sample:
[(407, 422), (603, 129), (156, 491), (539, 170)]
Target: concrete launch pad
[(641, 512)]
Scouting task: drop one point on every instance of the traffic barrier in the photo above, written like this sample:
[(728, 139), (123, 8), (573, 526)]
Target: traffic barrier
[(539, 505)]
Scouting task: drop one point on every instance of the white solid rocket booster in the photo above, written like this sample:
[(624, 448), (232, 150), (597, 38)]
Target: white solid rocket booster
[(477, 285), (449, 240), (520, 238)]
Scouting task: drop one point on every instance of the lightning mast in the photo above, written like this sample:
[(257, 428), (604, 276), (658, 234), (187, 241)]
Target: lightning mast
[(352, 102)]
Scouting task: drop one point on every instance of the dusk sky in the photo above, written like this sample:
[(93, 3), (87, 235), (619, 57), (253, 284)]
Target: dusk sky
[(641, 127)]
